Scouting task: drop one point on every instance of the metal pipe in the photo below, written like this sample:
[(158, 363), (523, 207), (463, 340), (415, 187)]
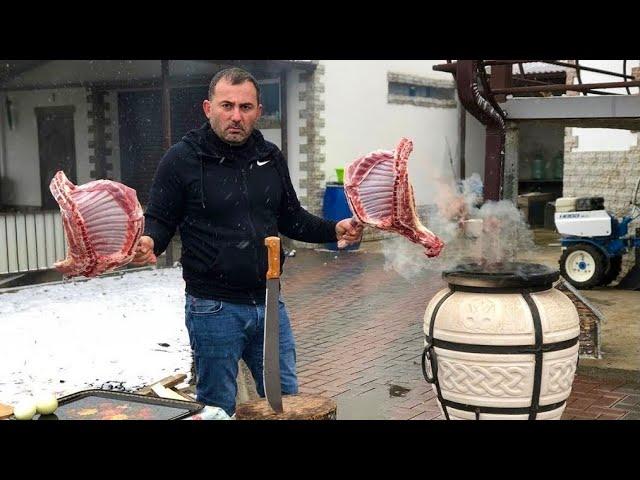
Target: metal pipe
[(579, 76), (3, 138), (489, 94), (446, 67), (283, 116), (166, 105), (587, 69), (521, 68), (509, 62), (450, 67), (564, 88), (494, 154), (462, 128), (624, 71), (530, 80), (166, 132)]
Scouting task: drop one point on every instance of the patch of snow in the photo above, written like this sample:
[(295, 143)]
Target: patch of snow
[(106, 330)]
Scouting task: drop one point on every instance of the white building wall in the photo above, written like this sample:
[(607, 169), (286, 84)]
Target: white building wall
[(475, 146), (359, 119), (274, 135), (22, 153)]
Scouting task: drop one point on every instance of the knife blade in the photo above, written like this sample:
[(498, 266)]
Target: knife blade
[(271, 350)]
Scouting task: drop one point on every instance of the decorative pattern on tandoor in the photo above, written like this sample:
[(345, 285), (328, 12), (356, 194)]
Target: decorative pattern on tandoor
[(493, 381), (504, 315), (560, 376), (558, 311)]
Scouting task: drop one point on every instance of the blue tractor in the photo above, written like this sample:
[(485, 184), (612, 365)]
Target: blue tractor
[(594, 242)]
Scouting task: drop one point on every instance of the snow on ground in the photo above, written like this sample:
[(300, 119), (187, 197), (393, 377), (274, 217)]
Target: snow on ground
[(78, 335)]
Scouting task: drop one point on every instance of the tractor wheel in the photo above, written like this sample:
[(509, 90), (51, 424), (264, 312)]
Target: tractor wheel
[(615, 267), (583, 265)]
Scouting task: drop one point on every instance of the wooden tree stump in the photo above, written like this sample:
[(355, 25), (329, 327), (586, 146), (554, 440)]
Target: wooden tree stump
[(296, 407)]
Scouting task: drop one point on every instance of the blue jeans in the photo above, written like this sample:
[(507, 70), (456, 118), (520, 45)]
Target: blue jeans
[(221, 333)]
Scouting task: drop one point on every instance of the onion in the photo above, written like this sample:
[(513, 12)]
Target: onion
[(46, 404), (24, 410)]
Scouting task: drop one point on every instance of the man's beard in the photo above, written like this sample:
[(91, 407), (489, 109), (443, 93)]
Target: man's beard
[(233, 141)]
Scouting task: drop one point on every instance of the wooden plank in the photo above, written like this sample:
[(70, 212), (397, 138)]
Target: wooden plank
[(4, 250), (60, 242), (21, 240), (164, 392), (12, 243), (5, 411), (49, 228), (168, 382), (31, 243), (188, 391), (41, 241)]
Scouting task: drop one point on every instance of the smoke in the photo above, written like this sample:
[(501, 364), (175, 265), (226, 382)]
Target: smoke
[(504, 233), (491, 233)]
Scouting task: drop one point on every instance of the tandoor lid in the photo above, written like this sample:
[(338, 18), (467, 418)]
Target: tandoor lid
[(508, 275)]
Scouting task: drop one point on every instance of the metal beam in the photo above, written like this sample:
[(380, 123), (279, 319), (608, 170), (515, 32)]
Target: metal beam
[(564, 88), (501, 77), (166, 130), (511, 161), (12, 69), (537, 108)]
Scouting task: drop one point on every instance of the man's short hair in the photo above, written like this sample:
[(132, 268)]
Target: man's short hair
[(235, 76)]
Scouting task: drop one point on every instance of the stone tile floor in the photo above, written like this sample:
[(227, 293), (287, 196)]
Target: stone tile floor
[(358, 328)]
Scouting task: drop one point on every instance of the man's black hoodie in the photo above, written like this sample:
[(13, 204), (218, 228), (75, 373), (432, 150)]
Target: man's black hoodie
[(226, 200)]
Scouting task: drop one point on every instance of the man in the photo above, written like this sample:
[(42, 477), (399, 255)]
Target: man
[(227, 189)]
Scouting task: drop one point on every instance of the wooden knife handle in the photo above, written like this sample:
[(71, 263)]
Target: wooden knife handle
[(273, 255)]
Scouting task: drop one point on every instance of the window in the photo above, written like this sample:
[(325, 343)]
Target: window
[(270, 98), (420, 91)]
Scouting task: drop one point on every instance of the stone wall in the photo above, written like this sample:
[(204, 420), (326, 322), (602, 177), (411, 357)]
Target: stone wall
[(313, 149), (100, 134)]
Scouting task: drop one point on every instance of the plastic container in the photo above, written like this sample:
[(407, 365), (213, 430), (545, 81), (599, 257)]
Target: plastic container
[(335, 207), (558, 166), (537, 168), (340, 175)]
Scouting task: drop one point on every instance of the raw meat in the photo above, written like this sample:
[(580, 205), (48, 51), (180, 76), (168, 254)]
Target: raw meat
[(380, 195), (103, 221)]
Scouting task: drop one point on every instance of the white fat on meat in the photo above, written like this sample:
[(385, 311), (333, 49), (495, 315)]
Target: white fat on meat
[(380, 195), (103, 221)]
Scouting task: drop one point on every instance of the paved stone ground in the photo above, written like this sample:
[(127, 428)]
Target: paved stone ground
[(359, 338)]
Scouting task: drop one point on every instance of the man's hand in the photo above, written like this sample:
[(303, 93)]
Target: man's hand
[(144, 252), (348, 231)]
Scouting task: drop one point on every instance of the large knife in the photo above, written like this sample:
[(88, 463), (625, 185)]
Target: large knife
[(271, 351)]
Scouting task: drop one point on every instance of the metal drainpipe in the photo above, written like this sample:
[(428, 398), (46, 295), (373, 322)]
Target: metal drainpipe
[(489, 116), (494, 146)]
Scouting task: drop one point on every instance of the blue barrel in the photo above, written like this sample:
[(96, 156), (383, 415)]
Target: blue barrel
[(335, 207)]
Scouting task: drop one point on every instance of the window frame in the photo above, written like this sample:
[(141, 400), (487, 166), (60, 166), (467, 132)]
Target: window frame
[(418, 82)]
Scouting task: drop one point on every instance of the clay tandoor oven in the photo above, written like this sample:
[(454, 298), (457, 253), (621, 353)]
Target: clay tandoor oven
[(501, 343)]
